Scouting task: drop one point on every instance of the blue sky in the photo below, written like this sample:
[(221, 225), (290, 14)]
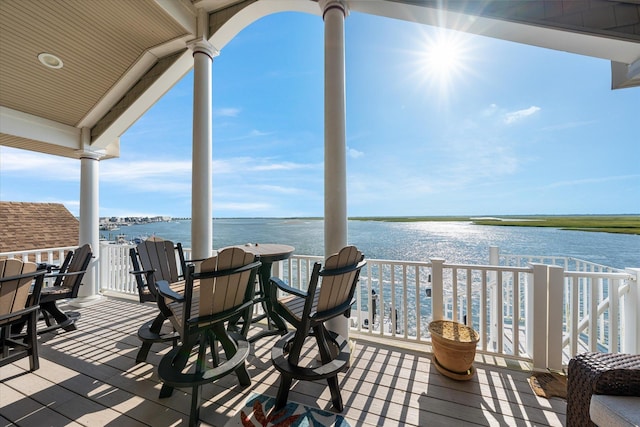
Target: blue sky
[(503, 128)]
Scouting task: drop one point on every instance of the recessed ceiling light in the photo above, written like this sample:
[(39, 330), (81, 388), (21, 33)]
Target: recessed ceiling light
[(50, 60)]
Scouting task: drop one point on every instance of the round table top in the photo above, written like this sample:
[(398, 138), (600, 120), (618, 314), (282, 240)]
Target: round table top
[(268, 252)]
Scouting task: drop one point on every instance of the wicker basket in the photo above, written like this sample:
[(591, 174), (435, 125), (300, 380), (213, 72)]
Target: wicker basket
[(454, 348)]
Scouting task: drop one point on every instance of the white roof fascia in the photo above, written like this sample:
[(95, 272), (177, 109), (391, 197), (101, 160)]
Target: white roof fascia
[(625, 75), (564, 40), (633, 70), (23, 125), (181, 12), (129, 78), (255, 11), (150, 96)]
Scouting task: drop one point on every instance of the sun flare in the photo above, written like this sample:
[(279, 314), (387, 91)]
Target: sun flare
[(444, 59)]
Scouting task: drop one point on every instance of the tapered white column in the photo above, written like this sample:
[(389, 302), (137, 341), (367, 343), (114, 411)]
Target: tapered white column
[(335, 165), (202, 173), (89, 221)]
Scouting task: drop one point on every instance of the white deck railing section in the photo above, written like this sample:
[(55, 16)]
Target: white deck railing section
[(533, 308)]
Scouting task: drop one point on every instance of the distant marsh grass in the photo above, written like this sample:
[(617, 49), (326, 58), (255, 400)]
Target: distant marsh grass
[(624, 224)]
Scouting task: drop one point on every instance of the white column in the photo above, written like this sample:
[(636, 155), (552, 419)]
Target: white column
[(202, 173), (437, 289), (555, 305), (89, 221), (536, 322), (631, 333), (335, 165)]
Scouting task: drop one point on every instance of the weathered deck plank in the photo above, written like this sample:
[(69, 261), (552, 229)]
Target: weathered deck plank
[(89, 377)]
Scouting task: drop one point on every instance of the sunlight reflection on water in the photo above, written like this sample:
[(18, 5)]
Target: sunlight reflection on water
[(456, 242)]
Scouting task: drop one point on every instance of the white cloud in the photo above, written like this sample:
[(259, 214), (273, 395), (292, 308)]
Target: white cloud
[(515, 116), (252, 134), (242, 206), (284, 166), (255, 164), (490, 110), (122, 171), (44, 165), (589, 181), (568, 125), (277, 189), (226, 112), (354, 154)]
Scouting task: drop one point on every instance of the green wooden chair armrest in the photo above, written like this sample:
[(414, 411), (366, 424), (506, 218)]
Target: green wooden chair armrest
[(286, 288), (141, 272), (335, 311), (165, 290), (23, 276), (74, 273), (214, 318), (19, 312)]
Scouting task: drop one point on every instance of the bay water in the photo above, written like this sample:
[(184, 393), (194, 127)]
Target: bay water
[(455, 241)]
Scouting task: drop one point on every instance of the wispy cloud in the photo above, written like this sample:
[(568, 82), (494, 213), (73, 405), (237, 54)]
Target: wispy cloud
[(252, 134), (354, 154), (285, 166), (568, 125), (46, 166), (589, 181), (277, 189), (489, 111), (131, 171), (243, 206), (226, 112), (167, 177), (515, 116)]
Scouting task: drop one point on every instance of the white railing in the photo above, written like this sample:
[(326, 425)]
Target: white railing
[(51, 256), (528, 308), (115, 268), (523, 311), (599, 304)]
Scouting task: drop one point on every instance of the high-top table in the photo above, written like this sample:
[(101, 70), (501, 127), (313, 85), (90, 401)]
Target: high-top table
[(268, 254)]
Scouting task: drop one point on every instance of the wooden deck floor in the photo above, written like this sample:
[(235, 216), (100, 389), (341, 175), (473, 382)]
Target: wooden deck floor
[(89, 377)]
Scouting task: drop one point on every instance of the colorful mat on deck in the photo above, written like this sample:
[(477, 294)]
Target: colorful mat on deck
[(258, 411)]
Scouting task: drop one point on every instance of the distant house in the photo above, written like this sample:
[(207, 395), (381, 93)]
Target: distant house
[(26, 226)]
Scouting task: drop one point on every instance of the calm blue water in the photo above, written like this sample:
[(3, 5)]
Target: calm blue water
[(456, 242)]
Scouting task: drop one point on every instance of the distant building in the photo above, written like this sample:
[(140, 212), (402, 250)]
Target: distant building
[(27, 226)]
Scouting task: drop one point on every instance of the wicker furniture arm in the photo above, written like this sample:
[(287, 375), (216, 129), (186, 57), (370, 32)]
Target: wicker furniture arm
[(599, 373)]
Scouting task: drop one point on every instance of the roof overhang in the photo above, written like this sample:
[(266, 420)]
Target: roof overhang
[(120, 56)]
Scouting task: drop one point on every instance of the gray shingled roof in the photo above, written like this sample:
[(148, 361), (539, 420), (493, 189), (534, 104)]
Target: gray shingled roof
[(25, 226)]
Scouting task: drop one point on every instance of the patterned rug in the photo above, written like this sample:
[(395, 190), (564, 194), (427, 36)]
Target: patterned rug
[(258, 412), (549, 384)]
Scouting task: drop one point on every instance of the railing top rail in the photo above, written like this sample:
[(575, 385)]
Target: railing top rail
[(599, 274), (34, 251), (480, 267), (568, 259), (489, 267)]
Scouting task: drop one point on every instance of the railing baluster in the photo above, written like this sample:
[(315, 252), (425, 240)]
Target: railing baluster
[(484, 334), (614, 301), (515, 315), (499, 316), (418, 304)]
